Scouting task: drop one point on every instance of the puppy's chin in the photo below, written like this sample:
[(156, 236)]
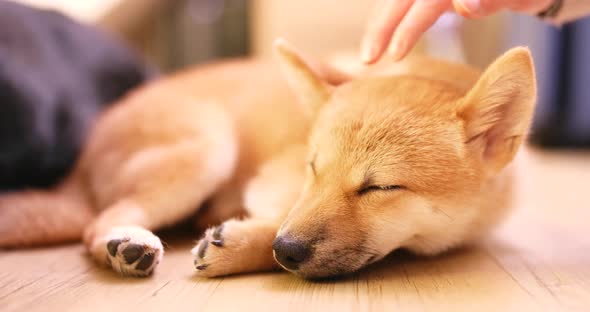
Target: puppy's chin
[(338, 265)]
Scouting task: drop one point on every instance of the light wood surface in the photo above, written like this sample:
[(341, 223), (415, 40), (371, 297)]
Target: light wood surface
[(539, 260)]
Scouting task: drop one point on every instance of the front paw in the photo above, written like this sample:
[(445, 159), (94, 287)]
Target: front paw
[(235, 247), (132, 251)]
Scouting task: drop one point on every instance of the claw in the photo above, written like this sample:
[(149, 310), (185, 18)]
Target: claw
[(202, 248), (217, 232)]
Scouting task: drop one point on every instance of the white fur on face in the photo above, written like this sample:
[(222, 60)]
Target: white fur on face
[(393, 226)]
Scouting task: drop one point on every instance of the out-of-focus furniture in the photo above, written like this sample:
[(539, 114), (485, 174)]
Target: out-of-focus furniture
[(87, 11), (120, 16), (562, 118), (317, 27), (135, 21)]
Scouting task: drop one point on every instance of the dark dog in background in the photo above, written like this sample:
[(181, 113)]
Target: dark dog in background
[(56, 75)]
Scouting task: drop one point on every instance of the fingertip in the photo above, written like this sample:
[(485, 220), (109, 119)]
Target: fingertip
[(399, 50), (385, 18), (468, 8), (368, 53)]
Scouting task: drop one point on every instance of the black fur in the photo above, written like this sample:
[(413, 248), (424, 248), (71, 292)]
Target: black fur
[(55, 76)]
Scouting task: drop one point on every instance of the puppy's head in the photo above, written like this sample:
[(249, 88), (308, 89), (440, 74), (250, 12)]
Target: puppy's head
[(396, 161)]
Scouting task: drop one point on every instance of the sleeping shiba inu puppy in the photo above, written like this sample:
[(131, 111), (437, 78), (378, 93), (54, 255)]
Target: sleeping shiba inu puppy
[(332, 176)]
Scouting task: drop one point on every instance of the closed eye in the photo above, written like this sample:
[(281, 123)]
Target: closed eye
[(372, 188)]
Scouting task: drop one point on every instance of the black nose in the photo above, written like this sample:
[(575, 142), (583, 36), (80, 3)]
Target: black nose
[(290, 252)]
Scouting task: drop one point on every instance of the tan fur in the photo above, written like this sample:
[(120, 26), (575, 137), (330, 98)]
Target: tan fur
[(234, 135), (36, 217)]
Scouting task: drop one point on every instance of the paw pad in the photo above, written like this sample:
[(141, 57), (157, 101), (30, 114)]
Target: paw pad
[(131, 258)]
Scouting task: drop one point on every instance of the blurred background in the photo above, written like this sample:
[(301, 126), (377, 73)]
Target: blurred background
[(172, 34)]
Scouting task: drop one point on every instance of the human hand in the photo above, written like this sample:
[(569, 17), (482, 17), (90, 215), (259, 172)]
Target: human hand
[(403, 21)]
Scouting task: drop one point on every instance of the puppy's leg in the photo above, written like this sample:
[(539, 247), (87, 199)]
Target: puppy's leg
[(120, 239), (157, 187), (246, 246), (227, 203)]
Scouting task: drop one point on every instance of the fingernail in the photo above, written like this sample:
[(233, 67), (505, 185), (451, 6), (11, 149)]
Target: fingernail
[(473, 7), (368, 52)]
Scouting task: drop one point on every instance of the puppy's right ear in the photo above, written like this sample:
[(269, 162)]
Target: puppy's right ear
[(312, 90)]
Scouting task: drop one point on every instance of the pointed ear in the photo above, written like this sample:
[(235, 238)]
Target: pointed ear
[(312, 90), (498, 110)]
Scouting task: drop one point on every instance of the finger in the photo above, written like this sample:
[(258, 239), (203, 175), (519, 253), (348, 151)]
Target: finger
[(466, 8), (384, 19), (528, 6), (420, 17), (477, 8)]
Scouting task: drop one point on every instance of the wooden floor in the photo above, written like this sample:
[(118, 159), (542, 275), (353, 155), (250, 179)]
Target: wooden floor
[(538, 260)]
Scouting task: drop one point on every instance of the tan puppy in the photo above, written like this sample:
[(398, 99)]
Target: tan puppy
[(405, 155)]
